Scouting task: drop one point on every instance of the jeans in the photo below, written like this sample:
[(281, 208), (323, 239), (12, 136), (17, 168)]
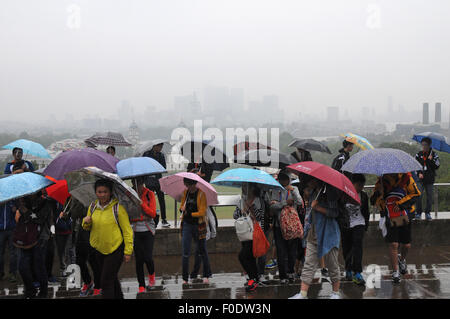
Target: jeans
[(34, 259), (189, 233), (86, 254), (62, 246), (286, 253), (143, 250), (247, 260), (109, 271), (425, 188), (6, 240), (352, 248)]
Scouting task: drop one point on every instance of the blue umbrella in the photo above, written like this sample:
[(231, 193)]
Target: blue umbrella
[(20, 185), (29, 147), (381, 161), (138, 166), (238, 176), (438, 141)]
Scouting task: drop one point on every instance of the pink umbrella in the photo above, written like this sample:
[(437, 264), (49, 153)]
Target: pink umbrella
[(173, 186)]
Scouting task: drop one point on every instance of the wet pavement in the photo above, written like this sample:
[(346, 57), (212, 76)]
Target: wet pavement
[(428, 277)]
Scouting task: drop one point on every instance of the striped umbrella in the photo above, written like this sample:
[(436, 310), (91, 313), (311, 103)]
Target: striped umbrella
[(109, 138), (359, 141)]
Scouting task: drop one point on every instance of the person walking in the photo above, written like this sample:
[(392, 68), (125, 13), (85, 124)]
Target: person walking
[(111, 237), (7, 225), (429, 160), (342, 157), (144, 229)]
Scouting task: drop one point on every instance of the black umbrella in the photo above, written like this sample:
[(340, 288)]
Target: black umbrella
[(210, 149), (310, 144), (265, 158)]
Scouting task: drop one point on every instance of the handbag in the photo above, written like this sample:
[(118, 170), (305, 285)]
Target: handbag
[(244, 227), (260, 243)]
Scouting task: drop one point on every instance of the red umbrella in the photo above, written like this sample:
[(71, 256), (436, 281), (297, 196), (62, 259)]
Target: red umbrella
[(58, 191), (327, 175)]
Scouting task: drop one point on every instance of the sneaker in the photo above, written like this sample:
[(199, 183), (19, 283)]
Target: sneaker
[(402, 266), (358, 279), (52, 279), (418, 216), (206, 281), (428, 216), (291, 278), (271, 264), (348, 276), (141, 289), (97, 292), (335, 295), (395, 277), (251, 285), (298, 296), (86, 290), (324, 272), (164, 223), (151, 280)]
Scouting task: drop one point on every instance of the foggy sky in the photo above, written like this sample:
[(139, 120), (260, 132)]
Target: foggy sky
[(312, 54)]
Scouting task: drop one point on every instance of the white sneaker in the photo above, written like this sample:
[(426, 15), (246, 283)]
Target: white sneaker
[(335, 295), (298, 296)]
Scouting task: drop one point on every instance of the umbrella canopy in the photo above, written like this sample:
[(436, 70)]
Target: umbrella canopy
[(29, 147), (81, 186), (21, 185), (359, 141), (76, 159), (108, 138), (328, 175), (247, 146), (438, 141), (310, 145), (149, 145), (238, 176), (381, 161), (210, 149), (262, 157), (138, 166), (58, 191), (173, 186)]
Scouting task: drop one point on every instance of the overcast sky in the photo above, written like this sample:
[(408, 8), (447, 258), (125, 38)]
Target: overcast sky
[(312, 53)]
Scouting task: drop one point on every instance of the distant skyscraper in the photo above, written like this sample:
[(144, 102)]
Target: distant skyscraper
[(425, 115), (332, 113), (437, 113)]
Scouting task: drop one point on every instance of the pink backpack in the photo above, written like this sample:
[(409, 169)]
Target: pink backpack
[(290, 224)]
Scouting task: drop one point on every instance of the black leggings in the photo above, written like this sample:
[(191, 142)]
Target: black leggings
[(86, 254), (143, 250), (248, 261), (109, 273)]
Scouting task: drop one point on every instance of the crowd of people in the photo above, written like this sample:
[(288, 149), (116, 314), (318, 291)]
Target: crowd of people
[(306, 222)]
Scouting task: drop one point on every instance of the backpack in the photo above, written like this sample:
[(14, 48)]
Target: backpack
[(26, 234), (290, 224)]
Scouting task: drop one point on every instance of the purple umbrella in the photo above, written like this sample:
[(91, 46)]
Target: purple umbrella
[(80, 158)]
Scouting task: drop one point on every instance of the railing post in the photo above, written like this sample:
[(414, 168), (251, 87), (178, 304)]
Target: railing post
[(175, 212), (436, 201)]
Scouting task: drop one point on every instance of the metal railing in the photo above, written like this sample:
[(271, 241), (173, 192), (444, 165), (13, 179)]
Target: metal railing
[(226, 199)]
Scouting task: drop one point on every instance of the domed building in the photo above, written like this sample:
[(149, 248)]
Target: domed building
[(133, 133)]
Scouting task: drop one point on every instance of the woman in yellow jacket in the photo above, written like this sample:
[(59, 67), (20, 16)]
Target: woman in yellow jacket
[(193, 227), (111, 237)]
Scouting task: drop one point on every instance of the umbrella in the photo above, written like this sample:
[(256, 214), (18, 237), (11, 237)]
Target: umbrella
[(238, 176), (359, 141), (58, 191), (210, 149), (29, 147), (20, 185), (381, 161), (76, 159), (149, 145), (438, 141), (247, 146), (173, 186), (328, 175), (139, 166), (265, 157), (81, 186), (310, 145), (109, 138)]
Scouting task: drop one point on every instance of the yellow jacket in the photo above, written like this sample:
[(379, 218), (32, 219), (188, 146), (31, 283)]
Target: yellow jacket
[(201, 206), (106, 236)]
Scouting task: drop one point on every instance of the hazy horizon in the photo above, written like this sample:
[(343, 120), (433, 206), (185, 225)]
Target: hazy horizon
[(312, 54)]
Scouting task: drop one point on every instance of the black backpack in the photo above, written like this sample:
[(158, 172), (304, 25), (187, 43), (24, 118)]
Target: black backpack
[(26, 233)]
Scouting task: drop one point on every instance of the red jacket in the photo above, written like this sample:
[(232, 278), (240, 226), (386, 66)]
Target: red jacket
[(148, 205)]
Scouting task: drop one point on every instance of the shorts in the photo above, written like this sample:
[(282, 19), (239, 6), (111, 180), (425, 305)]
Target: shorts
[(400, 235)]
